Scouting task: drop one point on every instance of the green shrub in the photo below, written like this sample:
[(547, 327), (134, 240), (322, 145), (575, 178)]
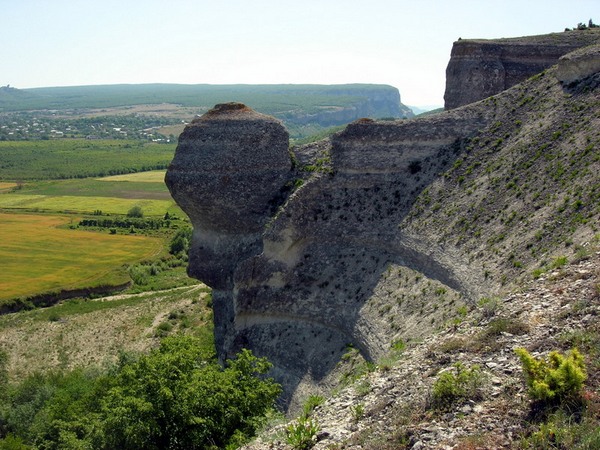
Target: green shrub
[(139, 275), (302, 434), (358, 412), (164, 329), (311, 403), (181, 241), (135, 211), (172, 399), (557, 379), (560, 431), (175, 397), (559, 262), (452, 386)]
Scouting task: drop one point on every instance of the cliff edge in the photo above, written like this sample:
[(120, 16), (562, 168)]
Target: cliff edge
[(481, 68)]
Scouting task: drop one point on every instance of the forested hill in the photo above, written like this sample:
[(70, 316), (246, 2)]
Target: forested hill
[(324, 104)]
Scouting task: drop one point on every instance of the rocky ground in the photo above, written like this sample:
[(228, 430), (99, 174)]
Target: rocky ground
[(392, 406)]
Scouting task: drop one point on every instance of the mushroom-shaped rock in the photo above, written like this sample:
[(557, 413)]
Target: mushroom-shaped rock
[(228, 173)]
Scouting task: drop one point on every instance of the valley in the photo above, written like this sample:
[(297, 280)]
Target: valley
[(431, 283)]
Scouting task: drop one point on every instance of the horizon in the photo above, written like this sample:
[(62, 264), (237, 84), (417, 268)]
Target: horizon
[(396, 43)]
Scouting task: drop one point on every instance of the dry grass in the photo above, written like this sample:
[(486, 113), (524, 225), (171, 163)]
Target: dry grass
[(154, 176), (93, 332), (6, 186)]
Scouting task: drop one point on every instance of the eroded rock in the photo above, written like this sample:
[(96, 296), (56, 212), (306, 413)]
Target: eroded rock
[(579, 64), (227, 174), (298, 279)]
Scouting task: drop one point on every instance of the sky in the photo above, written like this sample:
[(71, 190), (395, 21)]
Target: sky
[(402, 43)]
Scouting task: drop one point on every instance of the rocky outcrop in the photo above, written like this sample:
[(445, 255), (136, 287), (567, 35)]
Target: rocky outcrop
[(229, 168), (579, 64), (296, 278), (481, 68), (359, 241)]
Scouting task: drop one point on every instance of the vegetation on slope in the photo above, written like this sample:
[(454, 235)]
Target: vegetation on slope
[(526, 188)]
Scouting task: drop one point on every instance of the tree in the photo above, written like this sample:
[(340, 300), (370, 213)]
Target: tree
[(135, 211), (174, 398), (181, 241)]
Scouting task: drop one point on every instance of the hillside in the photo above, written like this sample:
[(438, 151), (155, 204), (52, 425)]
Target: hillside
[(304, 108), (403, 232), (92, 333), (391, 406)]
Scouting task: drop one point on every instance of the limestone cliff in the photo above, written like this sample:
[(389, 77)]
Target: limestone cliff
[(389, 229), (481, 68), (369, 101), (295, 280)]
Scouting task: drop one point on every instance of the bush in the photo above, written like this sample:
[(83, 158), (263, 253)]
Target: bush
[(135, 211), (139, 275), (302, 434), (181, 241), (557, 379), (171, 399), (175, 397), (311, 403), (560, 431), (451, 386)]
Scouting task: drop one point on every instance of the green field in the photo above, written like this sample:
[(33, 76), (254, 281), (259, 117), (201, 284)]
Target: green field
[(39, 257), (42, 242), (110, 195), (79, 158)]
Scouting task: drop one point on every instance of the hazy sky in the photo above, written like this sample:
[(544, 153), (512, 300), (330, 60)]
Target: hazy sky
[(402, 43)]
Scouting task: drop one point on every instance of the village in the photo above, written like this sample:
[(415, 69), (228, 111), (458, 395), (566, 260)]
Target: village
[(51, 124)]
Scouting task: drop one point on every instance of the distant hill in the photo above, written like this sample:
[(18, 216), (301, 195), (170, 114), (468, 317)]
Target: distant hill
[(326, 105)]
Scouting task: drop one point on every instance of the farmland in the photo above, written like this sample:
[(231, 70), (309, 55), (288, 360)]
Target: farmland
[(38, 256), (79, 158), (45, 249)]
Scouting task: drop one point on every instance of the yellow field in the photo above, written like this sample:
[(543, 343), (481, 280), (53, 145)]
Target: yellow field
[(84, 205), (37, 257), (4, 186), (154, 176)]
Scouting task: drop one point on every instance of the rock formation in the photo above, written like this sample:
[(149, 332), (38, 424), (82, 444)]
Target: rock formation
[(292, 276), (579, 64), (481, 68), (359, 241)]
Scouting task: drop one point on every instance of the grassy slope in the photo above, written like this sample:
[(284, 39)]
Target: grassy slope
[(527, 188), (93, 332)]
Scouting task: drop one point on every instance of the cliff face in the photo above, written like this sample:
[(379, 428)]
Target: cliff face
[(481, 68), (299, 281), (388, 230), (369, 101)]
